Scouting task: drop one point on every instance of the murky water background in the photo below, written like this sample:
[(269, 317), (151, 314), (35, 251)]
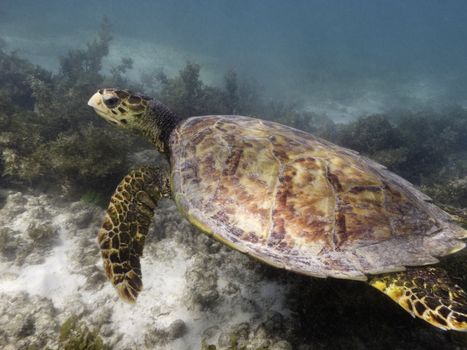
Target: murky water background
[(340, 55)]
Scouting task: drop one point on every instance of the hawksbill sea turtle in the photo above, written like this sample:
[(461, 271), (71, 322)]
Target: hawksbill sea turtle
[(286, 198)]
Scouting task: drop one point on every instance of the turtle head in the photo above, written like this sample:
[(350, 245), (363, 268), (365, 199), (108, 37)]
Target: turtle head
[(137, 113), (121, 108)]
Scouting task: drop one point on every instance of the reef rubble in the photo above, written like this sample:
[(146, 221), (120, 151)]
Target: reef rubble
[(195, 290)]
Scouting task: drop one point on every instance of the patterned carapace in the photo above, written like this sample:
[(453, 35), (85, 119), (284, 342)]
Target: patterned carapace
[(299, 202)]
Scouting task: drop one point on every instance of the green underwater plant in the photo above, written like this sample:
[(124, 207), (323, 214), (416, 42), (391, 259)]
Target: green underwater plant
[(94, 197), (188, 95), (50, 139), (74, 335), (231, 95), (452, 192), (48, 136), (369, 134)]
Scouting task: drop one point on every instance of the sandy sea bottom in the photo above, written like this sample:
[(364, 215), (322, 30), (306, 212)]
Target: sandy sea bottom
[(195, 291)]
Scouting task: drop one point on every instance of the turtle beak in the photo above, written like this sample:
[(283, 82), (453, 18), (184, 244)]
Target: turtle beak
[(95, 101)]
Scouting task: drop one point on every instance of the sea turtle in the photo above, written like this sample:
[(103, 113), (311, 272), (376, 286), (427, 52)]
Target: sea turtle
[(285, 197)]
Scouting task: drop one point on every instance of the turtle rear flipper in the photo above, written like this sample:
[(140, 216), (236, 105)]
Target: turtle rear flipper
[(126, 225), (428, 293)]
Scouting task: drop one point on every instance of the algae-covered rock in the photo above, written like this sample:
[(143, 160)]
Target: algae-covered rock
[(27, 233), (3, 196), (42, 234), (201, 288), (84, 213), (8, 244), (243, 336), (75, 334), (165, 335), (15, 203), (27, 321), (176, 329)]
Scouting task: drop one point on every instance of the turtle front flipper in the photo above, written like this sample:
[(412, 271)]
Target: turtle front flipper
[(126, 225), (428, 293)]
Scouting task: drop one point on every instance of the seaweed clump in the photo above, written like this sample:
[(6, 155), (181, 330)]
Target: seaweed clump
[(76, 335), (268, 335), (452, 192), (49, 138), (187, 95)]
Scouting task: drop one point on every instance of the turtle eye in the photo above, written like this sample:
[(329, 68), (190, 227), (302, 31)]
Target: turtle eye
[(111, 102)]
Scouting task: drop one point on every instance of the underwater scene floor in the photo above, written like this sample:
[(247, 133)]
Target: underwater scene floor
[(197, 293)]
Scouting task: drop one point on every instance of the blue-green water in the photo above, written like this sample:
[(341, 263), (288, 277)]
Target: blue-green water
[(370, 55)]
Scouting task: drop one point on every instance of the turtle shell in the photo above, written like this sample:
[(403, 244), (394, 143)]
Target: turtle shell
[(298, 202)]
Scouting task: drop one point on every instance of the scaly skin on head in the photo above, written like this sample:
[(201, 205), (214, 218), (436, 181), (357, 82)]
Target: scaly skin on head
[(137, 113)]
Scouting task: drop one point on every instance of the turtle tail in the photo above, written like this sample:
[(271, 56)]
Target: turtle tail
[(427, 293)]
